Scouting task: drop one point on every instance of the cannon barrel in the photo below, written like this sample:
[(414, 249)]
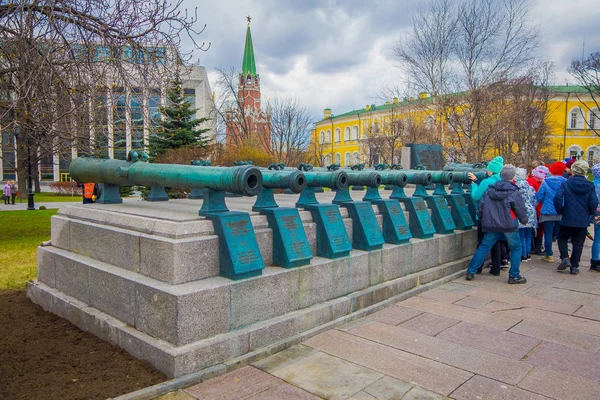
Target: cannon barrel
[(393, 177), (294, 180), (463, 176), (332, 180), (443, 177), (417, 177), (462, 166), (245, 180), (364, 178)]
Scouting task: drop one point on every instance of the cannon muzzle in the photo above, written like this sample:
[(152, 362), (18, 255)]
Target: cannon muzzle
[(364, 178), (245, 180), (334, 180), (417, 177), (293, 180)]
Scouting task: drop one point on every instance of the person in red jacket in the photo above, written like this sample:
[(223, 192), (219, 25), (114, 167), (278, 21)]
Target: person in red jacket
[(535, 179)]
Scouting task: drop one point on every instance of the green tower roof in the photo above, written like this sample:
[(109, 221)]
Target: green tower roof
[(248, 65)]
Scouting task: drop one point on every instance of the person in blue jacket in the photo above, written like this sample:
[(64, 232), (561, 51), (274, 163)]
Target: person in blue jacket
[(595, 261), (478, 188), (576, 200), (548, 214), (500, 211)]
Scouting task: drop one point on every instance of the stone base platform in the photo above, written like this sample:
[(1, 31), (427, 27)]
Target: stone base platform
[(144, 277)]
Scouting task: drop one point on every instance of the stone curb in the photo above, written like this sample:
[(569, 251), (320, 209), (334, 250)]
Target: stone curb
[(194, 378)]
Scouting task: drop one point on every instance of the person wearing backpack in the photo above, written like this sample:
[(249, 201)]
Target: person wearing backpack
[(577, 202), (500, 211)]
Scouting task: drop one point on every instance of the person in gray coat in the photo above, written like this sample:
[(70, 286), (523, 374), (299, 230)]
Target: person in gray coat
[(500, 210)]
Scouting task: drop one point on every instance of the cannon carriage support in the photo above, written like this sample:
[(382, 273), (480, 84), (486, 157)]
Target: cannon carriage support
[(440, 213)]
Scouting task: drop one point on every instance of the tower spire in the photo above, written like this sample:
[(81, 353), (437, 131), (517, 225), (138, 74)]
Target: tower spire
[(248, 65)]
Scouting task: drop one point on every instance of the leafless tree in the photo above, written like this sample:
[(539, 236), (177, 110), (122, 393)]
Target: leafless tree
[(587, 73), (290, 131), (58, 58), (468, 53)]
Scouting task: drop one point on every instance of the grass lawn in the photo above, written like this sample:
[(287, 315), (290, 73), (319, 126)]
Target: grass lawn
[(49, 197), (21, 232)]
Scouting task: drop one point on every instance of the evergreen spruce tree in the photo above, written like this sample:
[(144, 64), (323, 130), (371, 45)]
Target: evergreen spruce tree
[(178, 127)]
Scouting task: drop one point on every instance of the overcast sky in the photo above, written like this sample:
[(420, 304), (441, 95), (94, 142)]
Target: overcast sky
[(337, 54)]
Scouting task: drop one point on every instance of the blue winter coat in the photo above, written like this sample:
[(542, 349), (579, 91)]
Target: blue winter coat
[(547, 192), (576, 200), (528, 194), (496, 205), (597, 186)]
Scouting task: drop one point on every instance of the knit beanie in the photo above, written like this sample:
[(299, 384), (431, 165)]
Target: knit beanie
[(570, 162), (557, 168), (540, 172), (496, 165), (508, 172), (580, 167), (520, 174), (596, 171)]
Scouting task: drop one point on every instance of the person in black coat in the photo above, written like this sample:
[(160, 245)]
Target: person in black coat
[(500, 209), (576, 200)]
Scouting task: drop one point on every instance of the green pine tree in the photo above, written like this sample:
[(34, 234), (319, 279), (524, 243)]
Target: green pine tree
[(178, 127)]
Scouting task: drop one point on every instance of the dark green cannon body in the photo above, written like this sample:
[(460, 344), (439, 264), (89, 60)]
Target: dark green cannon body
[(244, 180), (335, 180), (292, 180), (461, 179), (370, 179), (239, 253)]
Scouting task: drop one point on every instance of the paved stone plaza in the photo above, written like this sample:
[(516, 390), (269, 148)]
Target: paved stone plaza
[(482, 339)]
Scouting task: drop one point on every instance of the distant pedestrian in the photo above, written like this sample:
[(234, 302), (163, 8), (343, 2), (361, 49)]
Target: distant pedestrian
[(595, 261), (500, 211), (6, 193), (526, 230), (90, 192), (13, 191), (549, 216), (576, 200)]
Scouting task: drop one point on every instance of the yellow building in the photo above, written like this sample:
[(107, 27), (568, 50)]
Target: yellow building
[(341, 138)]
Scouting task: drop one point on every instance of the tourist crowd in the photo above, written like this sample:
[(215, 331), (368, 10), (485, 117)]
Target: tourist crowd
[(522, 211)]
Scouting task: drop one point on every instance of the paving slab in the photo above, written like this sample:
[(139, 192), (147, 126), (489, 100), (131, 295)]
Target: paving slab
[(503, 343), (588, 313), (554, 319), (284, 358), (472, 302), (177, 395), (283, 391), (567, 296), (482, 388), (456, 286), (495, 321), (560, 386), (418, 393), (395, 315), (362, 396), (524, 300), (565, 359), (235, 385), (459, 356), (445, 296), (388, 388), (328, 376), (578, 286), (429, 324), (398, 364), (494, 306), (556, 334)]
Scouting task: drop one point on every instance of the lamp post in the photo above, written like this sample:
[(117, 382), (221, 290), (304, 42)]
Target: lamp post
[(332, 138), (30, 204)]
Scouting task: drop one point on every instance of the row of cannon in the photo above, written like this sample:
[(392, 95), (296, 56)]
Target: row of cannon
[(438, 212)]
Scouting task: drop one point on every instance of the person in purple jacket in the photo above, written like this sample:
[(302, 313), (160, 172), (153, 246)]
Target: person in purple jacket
[(500, 211)]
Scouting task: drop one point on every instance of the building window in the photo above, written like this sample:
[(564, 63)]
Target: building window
[(355, 158), (346, 134), (575, 151), (376, 127), (594, 120), (429, 122), (355, 132), (137, 120), (322, 137), (337, 135), (347, 159), (119, 124), (338, 158), (593, 155), (328, 159), (576, 119), (328, 137)]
